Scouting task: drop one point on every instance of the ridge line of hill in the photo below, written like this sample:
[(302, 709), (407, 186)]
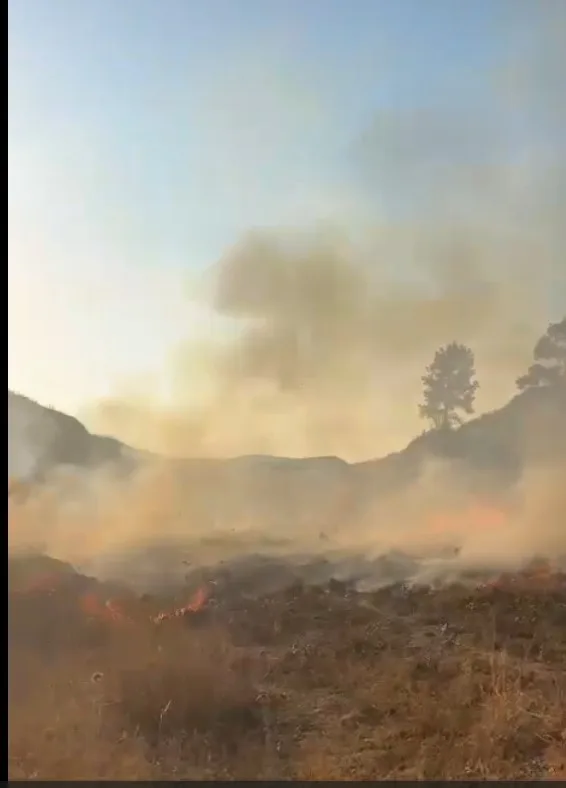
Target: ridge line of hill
[(533, 422)]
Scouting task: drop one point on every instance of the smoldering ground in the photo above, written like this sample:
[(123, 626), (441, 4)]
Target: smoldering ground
[(152, 528)]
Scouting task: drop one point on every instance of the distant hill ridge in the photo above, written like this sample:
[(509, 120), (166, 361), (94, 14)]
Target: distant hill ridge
[(491, 449)]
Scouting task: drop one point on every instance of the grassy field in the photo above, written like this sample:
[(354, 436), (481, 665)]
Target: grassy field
[(307, 683)]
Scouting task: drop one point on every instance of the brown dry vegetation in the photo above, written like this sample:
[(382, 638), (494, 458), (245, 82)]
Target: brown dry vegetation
[(307, 683)]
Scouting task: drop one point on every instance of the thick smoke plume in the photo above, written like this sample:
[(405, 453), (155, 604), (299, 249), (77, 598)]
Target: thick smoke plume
[(329, 328)]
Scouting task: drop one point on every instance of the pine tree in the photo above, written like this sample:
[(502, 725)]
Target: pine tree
[(449, 386)]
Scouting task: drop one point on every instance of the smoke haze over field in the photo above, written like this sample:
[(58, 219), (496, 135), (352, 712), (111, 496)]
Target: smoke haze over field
[(140, 529)]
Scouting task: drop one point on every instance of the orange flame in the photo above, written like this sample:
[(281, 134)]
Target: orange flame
[(197, 602)]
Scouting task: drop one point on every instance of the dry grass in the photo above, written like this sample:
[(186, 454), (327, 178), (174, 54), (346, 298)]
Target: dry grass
[(306, 684), (134, 709)]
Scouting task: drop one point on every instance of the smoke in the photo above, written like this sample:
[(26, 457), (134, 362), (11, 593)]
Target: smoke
[(146, 529), (330, 327), (328, 348), (328, 332)]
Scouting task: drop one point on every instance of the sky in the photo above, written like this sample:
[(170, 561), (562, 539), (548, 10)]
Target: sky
[(146, 136)]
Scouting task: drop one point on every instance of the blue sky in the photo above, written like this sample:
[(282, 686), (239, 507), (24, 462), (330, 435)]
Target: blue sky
[(145, 136)]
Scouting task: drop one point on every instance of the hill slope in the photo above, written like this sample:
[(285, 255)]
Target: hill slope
[(489, 452), (40, 439), (530, 425)]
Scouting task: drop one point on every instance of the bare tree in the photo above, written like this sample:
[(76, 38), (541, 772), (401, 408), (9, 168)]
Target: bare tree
[(449, 386), (549, 367)]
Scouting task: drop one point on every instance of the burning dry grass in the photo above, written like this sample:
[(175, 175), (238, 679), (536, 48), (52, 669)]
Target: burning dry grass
[(307, 684)]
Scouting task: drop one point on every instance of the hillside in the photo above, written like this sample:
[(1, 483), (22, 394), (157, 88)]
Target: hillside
[(272, 504), (40, 439), (531, 427)]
